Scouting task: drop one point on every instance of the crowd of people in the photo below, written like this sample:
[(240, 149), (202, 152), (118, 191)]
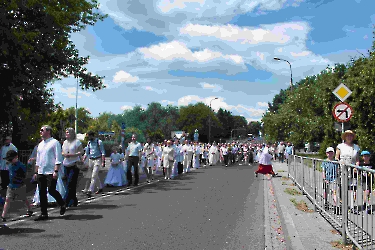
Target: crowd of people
[(57, 167)]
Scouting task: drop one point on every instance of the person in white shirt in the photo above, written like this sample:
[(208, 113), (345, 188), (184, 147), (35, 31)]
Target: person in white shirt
[(187, 152), (213, 154), (224, 152), (4, 167), (48, 163), (72, 151), (265, 164), (168, 159), (149, 152)]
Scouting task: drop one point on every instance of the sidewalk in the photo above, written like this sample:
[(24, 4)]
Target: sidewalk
[(289, 227)]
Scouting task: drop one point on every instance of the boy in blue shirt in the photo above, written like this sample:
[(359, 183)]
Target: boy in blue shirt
[(16, 188)]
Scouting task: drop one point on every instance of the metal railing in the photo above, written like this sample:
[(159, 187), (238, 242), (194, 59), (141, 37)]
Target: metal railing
[(343, 193)]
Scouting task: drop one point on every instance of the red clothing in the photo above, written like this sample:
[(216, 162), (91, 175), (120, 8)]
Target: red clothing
[(265, 169)]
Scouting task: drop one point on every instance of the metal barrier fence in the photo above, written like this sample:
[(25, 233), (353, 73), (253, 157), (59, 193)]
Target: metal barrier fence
[(342, 193)]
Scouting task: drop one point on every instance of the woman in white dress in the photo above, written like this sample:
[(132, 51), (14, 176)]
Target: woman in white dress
[(197, 152), (348, 153), (168, 159), (116, 175), (213, 154)]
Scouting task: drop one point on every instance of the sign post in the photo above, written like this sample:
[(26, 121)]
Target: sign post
[(342, 111)]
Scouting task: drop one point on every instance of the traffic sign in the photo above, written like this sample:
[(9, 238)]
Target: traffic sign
[(342, 112), (342, 92)]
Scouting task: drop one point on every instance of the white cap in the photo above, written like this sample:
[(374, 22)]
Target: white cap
[(330, 149)]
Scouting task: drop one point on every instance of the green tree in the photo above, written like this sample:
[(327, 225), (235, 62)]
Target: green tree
[(36, 49)]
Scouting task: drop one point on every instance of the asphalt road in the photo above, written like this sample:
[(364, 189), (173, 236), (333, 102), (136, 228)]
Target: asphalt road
[(212, 208)]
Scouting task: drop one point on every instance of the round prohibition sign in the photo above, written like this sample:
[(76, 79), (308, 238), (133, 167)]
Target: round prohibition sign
[(342, 112)]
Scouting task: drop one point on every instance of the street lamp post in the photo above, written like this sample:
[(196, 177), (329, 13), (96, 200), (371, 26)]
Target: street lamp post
[(290, 66), (76, 121), (209, 123)]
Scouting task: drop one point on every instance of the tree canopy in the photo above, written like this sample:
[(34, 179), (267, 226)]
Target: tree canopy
[(305, 114), (36, 50)]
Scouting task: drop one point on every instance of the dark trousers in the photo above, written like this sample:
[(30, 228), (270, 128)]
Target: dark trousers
[(4, 174), (133, 161), (180, 168), (45, 181), (225, 159), (72, 173)]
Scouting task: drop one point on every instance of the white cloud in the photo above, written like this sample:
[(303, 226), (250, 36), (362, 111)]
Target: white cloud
[(262, 104), (302, 53), (167, 102), (71, 92), (213, 87), (159, 91), (122, 76), (126, 107), (220, 103), (177, 50), (276, 34)]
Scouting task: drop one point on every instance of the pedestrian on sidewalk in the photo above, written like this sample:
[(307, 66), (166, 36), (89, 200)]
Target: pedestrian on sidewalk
[(265, 164), (4, 166), (348, 153), (134, 157), (116, 174), (96, 154), (281, 151), (16, 187), (72, 151), (48, 164), (367, 181), (330, 180)]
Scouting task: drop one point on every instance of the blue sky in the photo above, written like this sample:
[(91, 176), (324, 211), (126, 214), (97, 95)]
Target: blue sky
[(186, 51)]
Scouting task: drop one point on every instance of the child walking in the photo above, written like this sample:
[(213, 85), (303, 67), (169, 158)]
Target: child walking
[(116, 174), (16, 188)]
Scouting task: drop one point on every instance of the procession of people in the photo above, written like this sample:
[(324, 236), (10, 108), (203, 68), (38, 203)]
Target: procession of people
[(57, 167)]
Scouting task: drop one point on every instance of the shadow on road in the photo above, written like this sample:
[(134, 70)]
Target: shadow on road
[(19, 232), (81, 217), (96, 206)]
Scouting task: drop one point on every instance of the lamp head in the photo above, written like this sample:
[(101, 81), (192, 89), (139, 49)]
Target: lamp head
[(276, 58)]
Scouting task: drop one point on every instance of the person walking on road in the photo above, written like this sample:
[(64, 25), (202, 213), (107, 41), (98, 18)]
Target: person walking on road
[(116, 174), (187, 153), (149, 152), (265, 164), (4, 166), (168, 159), (48, 163), (16, 188), (72, 151), (281, 151), (96, 153), (213, 154), (134, 157), (348, 153)]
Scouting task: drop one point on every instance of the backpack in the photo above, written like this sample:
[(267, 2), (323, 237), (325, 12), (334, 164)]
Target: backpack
[(97, 141)]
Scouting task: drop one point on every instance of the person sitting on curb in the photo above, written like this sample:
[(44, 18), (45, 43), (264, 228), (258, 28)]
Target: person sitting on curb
[(16, 187)]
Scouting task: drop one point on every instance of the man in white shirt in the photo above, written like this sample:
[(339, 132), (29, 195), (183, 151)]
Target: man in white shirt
[(48, 163)]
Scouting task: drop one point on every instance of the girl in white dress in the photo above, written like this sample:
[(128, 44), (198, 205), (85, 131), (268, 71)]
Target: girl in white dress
[(116, 175), (348, 153)]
